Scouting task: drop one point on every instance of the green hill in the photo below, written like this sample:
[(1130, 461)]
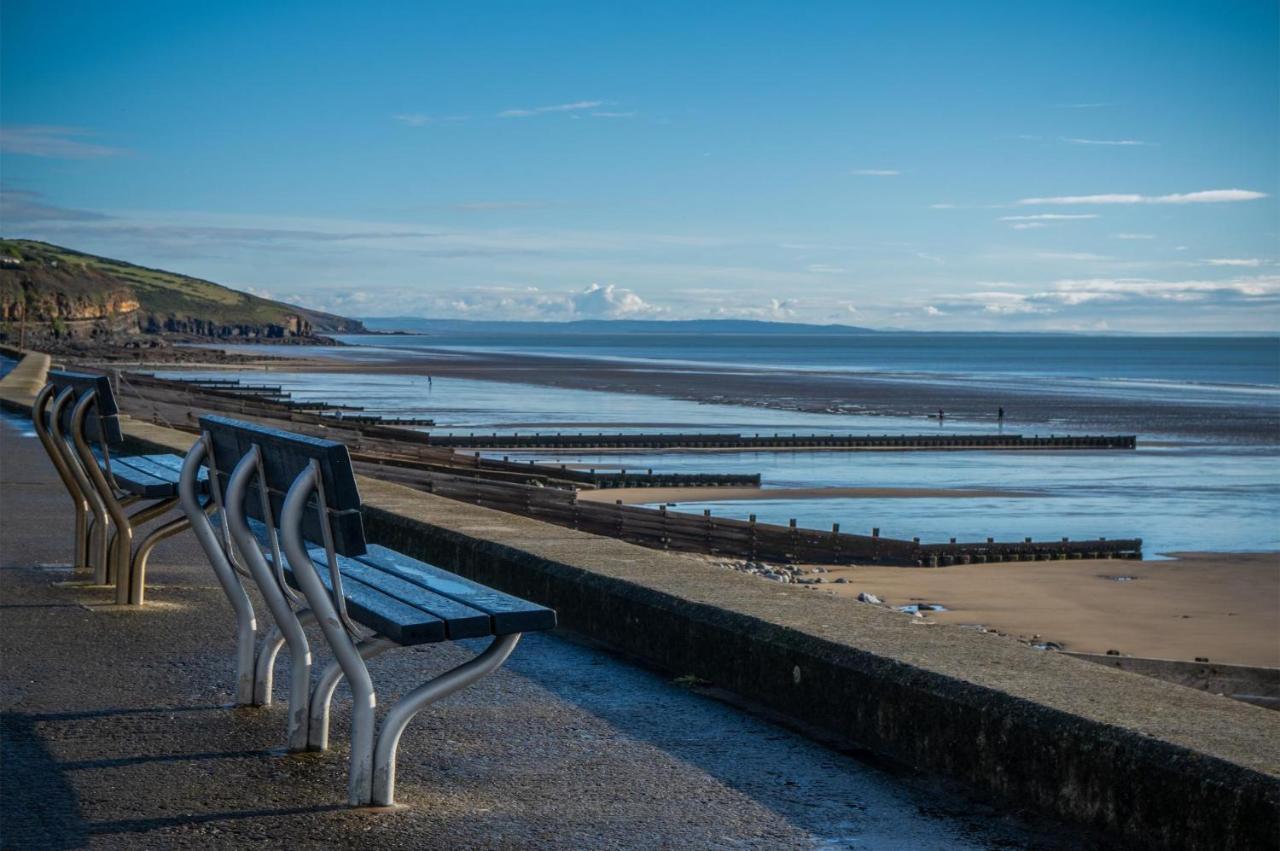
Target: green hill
[(68, 293)]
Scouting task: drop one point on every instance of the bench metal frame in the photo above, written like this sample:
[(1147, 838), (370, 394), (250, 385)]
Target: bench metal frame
[(105, 545), (235, 550)]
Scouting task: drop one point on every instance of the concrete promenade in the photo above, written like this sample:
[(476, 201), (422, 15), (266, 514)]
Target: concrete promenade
[(116, 734)]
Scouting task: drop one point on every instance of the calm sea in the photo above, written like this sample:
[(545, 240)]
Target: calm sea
[(1176, 494), (1225, 362)]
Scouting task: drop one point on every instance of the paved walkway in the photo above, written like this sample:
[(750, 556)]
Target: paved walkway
[(116, 734)]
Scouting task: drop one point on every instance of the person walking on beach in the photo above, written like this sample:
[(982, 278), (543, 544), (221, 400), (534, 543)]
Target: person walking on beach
[(1000, 416), (941, 416)]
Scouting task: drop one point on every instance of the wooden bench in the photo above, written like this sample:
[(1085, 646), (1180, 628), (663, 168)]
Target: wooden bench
[(287, 514), (78, 421)]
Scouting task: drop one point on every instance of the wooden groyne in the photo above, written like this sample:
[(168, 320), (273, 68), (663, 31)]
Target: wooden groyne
[(662, 528), (548, 491), (761, 442)]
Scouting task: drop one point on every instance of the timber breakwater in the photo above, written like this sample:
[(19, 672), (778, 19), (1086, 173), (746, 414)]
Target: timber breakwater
[(759, 442), (548, 491)]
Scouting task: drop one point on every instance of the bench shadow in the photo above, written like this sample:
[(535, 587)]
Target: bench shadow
[(39, 808), (142, 825)]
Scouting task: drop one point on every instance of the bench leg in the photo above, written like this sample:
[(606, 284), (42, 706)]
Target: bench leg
[(322, 694), (61, 445), (286, 620), (80, 503), (264, 668), (246, 623), (384, 757), (138, 572)]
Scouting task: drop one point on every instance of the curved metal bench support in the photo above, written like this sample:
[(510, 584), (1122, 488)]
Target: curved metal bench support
[(246, 624), (98, 535), (288, 623), (138, 569), (384, 756), (360, 787), (39, 412), (264, 670), (322, 694), (123, 549)]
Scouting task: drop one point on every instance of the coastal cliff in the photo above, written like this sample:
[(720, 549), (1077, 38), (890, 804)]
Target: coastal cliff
[(53, 293)]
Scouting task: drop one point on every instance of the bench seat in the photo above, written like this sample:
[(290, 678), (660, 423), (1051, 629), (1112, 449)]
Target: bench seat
[(150, 476), (412, 602)]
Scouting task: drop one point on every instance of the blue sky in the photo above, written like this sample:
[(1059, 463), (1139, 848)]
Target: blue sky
[(1004, 165)]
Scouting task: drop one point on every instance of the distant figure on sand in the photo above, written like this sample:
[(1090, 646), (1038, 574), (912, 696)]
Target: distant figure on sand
[(941, 416)]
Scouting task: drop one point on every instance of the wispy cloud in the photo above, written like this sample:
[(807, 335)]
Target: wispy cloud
[(1208, 196), (824, 269), (876, 172), (575, 106), (20, 206), (942, 206), (613, 114), (1249, 262), (53, 142), (1133, 236), (1124, 143), (1003, 299)]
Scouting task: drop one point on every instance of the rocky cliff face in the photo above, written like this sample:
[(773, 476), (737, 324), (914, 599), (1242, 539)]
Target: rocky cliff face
[(52, 292)]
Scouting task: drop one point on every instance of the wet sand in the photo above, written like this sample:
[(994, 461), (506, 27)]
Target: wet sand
[(1221, 606), (831, 392), (634, 496)]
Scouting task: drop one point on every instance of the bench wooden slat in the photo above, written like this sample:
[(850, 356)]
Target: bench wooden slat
[(461, 621), (284, 456), (166, 467), (399, 621), (103, 421), (510, 614)]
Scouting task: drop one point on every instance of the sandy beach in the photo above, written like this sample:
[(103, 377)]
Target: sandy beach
[(1221, 606), (816, 391)]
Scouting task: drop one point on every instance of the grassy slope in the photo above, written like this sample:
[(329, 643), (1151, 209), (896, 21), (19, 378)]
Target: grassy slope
[(159, 292)]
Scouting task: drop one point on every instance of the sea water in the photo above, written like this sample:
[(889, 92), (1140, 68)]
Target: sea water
[(1178, 494)]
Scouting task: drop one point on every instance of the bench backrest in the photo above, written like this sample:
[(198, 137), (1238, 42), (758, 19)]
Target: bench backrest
[(102, 424), (285, 455)]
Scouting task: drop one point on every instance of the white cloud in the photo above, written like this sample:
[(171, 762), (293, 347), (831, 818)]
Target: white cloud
[(1028, 225), (1133, 236), (876, 172), (1117, 142), (942, 206), (930, 310), (53, 142), (610, 302), (576, 106), (613, 114), (1209, 196), (1118, 289), (824, 269), (1251, 262)]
